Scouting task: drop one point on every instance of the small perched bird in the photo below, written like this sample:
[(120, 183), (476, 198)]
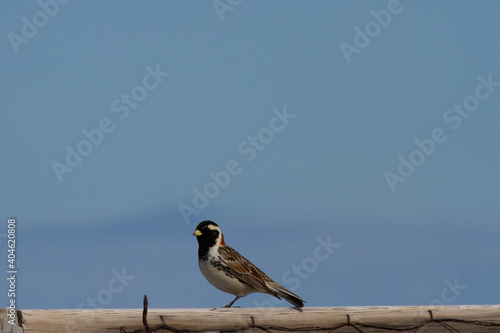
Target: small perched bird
[(232, 273)]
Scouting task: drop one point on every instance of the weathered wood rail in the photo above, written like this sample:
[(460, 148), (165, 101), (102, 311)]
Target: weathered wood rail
[(424, 319)]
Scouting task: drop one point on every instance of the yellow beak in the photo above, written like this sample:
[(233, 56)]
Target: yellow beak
[(197, 233)]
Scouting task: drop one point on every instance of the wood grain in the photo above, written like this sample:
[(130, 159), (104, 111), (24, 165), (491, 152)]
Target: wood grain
[(427, 319)]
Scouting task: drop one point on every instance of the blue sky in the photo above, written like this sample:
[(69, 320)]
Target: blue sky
[(371, 125)]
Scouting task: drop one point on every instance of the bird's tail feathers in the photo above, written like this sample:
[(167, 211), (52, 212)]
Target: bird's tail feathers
[(286, 294)]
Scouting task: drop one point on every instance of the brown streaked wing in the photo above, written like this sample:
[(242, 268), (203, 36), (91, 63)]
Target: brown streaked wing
[(244, 270)]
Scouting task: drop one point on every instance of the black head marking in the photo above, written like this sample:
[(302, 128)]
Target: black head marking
[(207, 233), (205, 224)]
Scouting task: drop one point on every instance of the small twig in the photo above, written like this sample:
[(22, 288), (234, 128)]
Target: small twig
[(145, 315)]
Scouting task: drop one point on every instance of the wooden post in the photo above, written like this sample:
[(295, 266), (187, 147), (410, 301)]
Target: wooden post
[(10, 324), (429, 319)]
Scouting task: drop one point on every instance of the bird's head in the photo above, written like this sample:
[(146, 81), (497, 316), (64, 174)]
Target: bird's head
[(208, 234)]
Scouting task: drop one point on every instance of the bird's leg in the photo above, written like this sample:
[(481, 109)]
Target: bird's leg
[(234, 300)]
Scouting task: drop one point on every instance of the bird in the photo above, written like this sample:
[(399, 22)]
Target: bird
[(229, 271)]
